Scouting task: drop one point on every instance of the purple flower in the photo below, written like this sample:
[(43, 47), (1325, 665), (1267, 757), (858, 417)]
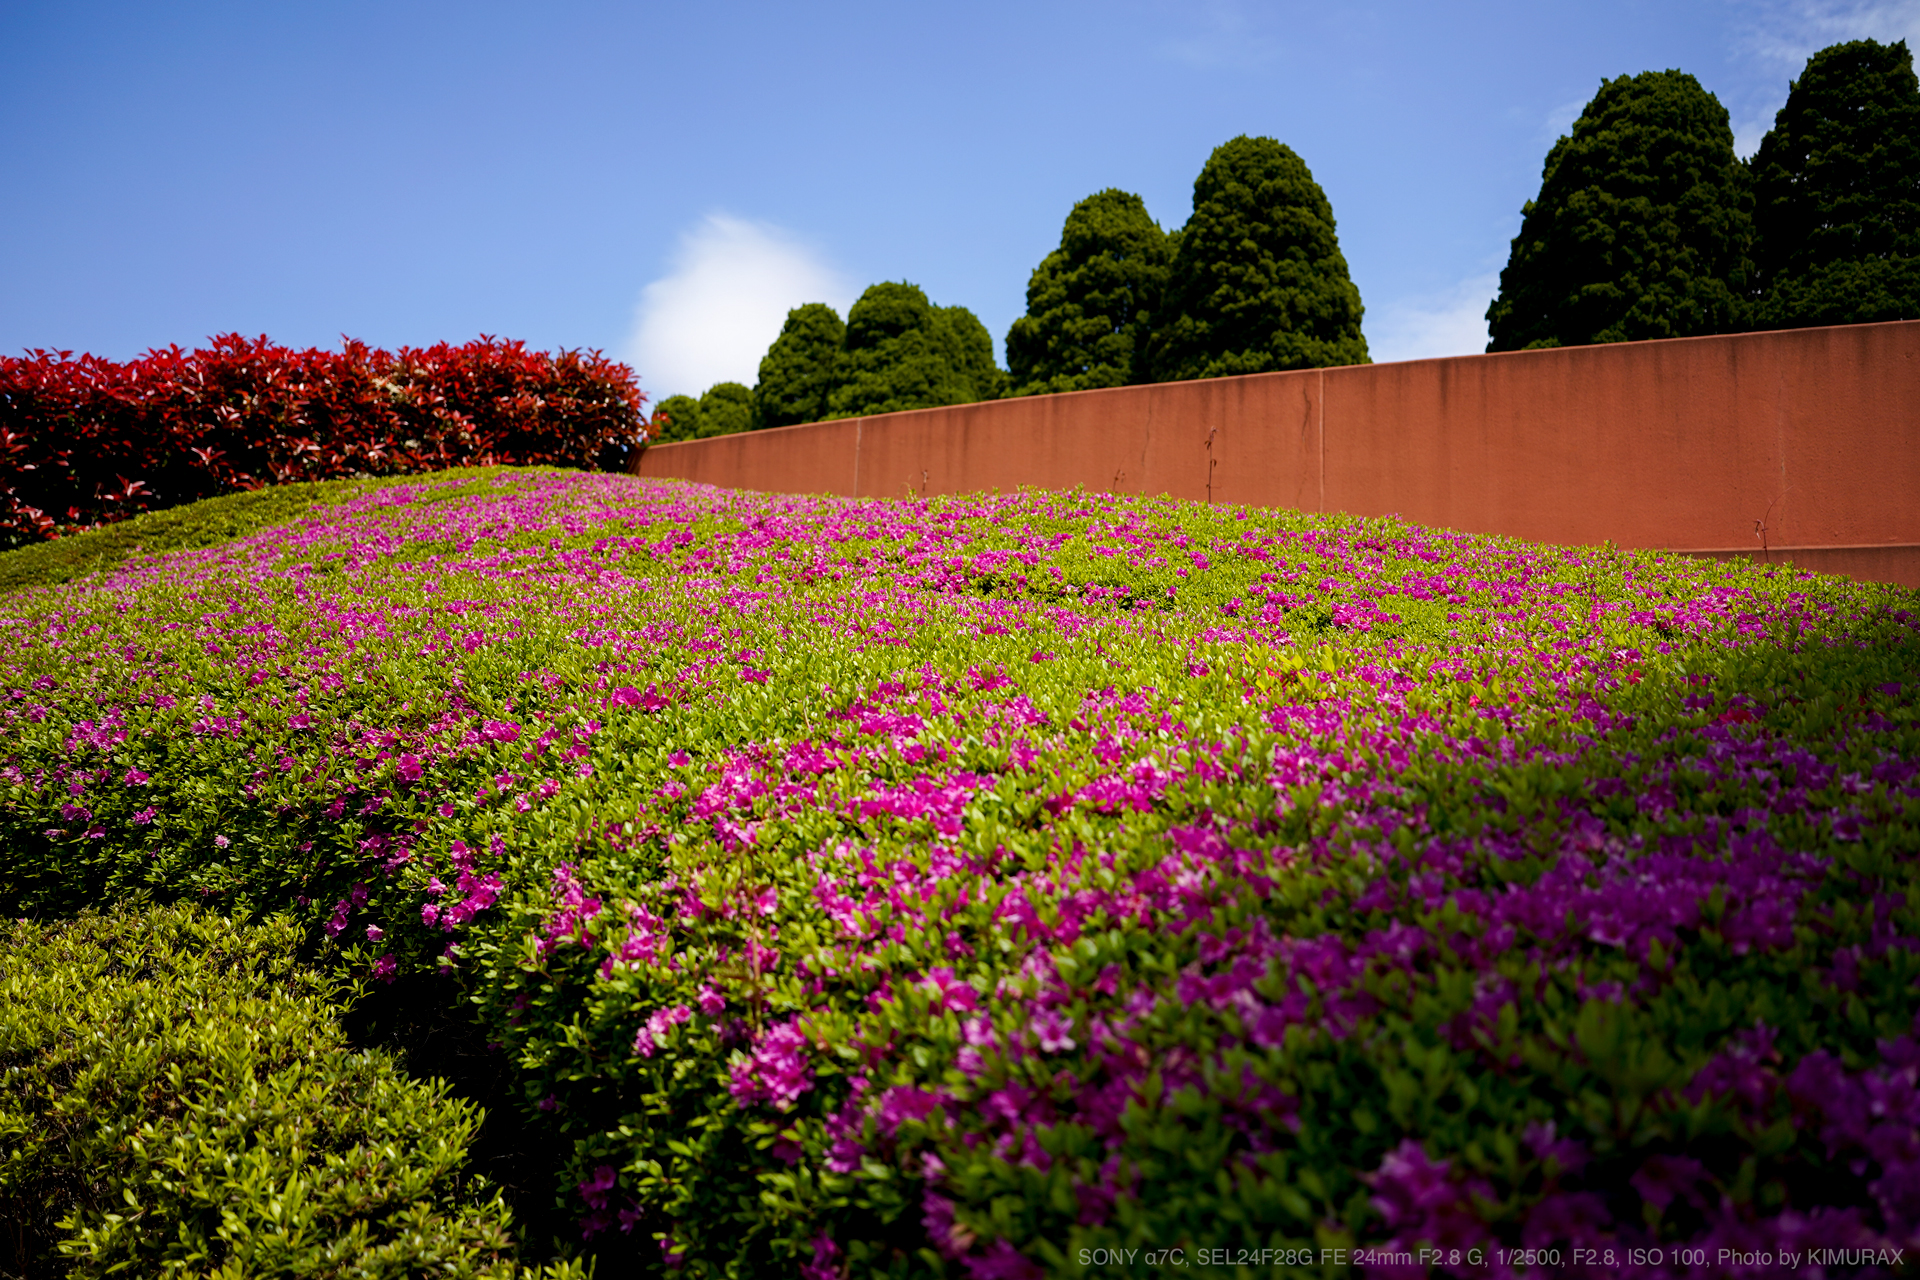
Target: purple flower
[(951, 992), (1053, 1029), (659, 1025), (826, 1254), (777, 1072), (596, 1189), (903, 1103)]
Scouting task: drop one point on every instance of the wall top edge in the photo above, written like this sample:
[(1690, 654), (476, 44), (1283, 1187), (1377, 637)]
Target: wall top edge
[(1592, 351)]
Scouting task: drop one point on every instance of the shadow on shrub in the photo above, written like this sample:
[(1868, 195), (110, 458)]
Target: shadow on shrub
[(179, 1096)]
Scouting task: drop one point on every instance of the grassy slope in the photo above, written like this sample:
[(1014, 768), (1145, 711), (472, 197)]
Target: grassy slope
[(206, 523)]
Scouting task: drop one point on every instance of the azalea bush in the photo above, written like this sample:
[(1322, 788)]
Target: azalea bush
[(87, 441), (978, 886)]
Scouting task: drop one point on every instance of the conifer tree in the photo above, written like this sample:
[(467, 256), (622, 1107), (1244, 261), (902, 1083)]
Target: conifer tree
[(1837, 193), (797, 372), (902, 352), (675, 418), (726, 408), (1090, 303), (1642, 227), (1258, 282)]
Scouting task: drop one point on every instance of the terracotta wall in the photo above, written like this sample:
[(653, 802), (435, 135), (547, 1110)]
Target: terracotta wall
[(1687, 445)]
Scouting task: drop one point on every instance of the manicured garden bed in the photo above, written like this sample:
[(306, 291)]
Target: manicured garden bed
[(977, 886)]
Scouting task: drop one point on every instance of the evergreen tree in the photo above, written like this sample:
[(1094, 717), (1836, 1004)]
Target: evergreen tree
[(969, 348), (675, 418), (1258, 282), (1837, 193), (726, 408), (797, 371), (1091, 301), (1642, 228), (902, 352)]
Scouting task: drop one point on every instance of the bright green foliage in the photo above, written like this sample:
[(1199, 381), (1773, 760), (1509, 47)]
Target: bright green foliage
[(1837, 193), (726, 408), (797, 372), (1641, 229), (675, 418), (902, 352), (1091, 302), (178, 1097), (1258, 282), (206, 523)]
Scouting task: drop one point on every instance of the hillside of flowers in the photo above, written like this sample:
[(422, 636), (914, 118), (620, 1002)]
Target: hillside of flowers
[(1050, 884)]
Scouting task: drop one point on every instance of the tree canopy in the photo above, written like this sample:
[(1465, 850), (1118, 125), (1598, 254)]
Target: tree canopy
[(1257, 282), (674, 418), (1837, 192), (797, 372), (725, 408), (1091, 302), (902, 352), (1641, 229)]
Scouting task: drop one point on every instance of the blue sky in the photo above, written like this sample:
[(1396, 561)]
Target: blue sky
[(663, 181)]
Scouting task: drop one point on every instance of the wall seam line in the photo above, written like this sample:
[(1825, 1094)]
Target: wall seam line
[(1323, 441)]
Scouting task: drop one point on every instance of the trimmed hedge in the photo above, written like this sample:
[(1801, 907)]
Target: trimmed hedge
[(177, 1099), (87, 441)]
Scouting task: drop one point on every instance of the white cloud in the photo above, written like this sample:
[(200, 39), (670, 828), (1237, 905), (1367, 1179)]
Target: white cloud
[(715, 314), (1781, 34), (1452, 322)]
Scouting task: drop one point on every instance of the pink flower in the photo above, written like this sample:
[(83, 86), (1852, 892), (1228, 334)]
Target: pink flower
[(659, 1025), (1053, 1029), (711, 1002), (777, 1072), (954, 993), (903, 1103)]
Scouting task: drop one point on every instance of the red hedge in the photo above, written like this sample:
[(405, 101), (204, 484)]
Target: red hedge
[(86, 441)]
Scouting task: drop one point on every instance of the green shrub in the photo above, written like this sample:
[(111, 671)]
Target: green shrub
[(178, 1099)]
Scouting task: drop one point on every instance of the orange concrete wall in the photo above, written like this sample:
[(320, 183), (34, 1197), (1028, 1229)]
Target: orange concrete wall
[(1683, 445)]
